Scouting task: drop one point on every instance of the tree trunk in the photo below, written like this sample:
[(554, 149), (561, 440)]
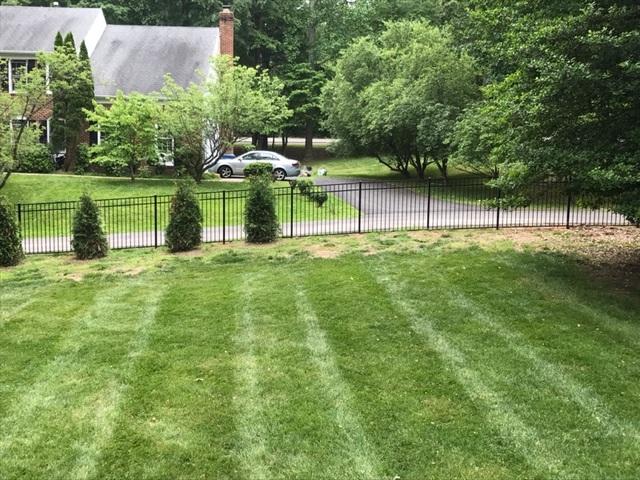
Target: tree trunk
[(71, 155), (285, 143), (132, 172), (4, 179), (308, 142)]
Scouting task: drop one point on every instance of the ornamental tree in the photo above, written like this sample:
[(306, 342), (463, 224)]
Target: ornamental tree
[(398, 96), (17, 133), (206, 120), (129, 132)]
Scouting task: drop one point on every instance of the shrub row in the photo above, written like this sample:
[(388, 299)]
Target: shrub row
[(305, 187)]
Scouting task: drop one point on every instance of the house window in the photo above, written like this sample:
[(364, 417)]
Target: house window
[(43, 126), (166, 150), (14, 69)]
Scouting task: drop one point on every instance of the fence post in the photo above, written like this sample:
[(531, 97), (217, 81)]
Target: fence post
[(224, 217), (498, 210), (428, 203), (19, 213), (360, 207), (291, 202), (569, 210), (155, 221)]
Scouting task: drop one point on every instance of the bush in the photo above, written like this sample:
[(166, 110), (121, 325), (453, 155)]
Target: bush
[(305, 186), (10, 241), (82, 160), (89, 240), (257, 169), (184, 231), (35, 159), (261, 220), (319, 198)]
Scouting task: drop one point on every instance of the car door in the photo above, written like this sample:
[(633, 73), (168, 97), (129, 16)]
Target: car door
[(244, 161)]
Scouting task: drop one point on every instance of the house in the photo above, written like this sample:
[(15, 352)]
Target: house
[(123, 57)]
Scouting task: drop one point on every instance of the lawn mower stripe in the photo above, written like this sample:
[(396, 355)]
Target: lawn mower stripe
[(359, 449), (523, 437)]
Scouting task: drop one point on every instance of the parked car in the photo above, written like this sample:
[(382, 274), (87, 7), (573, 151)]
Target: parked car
[(282, 166)]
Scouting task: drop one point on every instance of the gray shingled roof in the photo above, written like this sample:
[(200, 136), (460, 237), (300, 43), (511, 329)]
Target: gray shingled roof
[(136, 58), (33, 29)]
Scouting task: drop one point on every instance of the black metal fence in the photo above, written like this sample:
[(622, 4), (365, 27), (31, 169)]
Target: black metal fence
[(352, 207)]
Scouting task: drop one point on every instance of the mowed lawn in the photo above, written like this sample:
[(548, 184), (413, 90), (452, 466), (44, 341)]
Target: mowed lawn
[(437, 358), (135, 214)]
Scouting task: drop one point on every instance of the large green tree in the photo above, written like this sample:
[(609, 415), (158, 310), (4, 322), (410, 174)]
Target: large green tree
[(564, 90), (398, 96), (71, 84), (208, 119)]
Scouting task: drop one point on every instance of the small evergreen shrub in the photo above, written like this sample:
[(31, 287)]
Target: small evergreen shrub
[(82, 159), (35, 159), (257, 169), (319, 198), (10, 240), (261, 220), (89, 240), (184, 231), (305, 186)]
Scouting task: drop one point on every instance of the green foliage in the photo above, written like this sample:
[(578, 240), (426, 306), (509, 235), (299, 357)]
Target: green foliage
[(83, 160), (130, 133), (27, 100), (10, 239), (261, 220), (304, 186), (89, 240), (36, 158), (207, 119), (319, 198), (184, 231), (563, 100), (398, 96), (71, 83), (258, 168)]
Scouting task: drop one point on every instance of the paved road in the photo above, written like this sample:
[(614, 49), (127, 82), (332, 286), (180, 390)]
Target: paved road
[(384, 207)]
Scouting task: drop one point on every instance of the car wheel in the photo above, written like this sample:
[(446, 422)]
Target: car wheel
[(279, 174), (225, 171)]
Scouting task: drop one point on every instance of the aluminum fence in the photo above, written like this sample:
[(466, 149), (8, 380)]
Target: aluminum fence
[(351, 207)]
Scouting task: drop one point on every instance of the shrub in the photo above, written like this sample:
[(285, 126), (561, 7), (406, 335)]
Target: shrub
[(82, 159), (184, 231), (261, 220), (305, 186), (35, 159), (89, 240), (257, 169), (319, 198), (10, 241)]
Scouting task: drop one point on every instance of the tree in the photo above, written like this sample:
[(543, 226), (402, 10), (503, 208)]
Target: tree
[(88, 241), (10, 241), (18, 133), (184, 231), (261, 219), (398, 96), (71, 83), (129, 132), (208, 119), (565, 81)]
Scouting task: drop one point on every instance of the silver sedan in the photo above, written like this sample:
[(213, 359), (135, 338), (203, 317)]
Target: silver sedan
[(282, 166)]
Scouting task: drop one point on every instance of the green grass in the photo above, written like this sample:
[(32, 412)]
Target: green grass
[(39, 221), (438, 358), (35, 188)]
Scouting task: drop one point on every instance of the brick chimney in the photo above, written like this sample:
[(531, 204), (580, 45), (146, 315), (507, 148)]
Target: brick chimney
[(226, 31)]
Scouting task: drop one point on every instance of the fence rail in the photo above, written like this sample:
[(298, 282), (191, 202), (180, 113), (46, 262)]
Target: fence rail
[(352, 207)]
